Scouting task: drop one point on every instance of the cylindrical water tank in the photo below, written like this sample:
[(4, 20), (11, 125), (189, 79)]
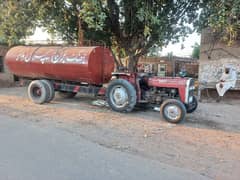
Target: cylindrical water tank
[(92, 65)]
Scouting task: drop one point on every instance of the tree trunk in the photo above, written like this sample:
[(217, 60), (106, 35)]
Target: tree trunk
[(132, 63), (117, 63), (80, 33)]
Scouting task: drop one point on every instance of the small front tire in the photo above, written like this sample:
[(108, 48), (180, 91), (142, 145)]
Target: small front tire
[(173, 111)]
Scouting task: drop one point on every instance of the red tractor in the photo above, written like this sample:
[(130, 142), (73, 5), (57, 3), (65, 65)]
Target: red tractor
[(174, 96), (70, 70)]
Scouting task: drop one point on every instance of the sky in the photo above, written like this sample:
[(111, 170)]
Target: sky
[(177, 50), (39, 35)]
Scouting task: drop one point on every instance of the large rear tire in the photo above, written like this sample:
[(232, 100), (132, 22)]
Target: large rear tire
[(38, 92), (121, 95), (67, 95), (191, 108), (50, 88), (173, 111)]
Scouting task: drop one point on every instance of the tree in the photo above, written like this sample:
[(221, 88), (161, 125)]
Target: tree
[(17, 20), (154, 51), (63, 18), (223, 17), (60, 17), (135, 26), (130, 28), (196, 51)]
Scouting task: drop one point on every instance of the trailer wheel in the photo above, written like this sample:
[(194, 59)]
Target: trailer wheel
[(51, 90), (38, 92), (173, 111), (191, 108), (121, 95), (66, 94)]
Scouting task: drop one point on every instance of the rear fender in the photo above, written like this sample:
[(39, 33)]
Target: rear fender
[(130, 77)]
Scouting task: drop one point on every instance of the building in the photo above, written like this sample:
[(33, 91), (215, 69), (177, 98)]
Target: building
[(214, 56), (165, 66)]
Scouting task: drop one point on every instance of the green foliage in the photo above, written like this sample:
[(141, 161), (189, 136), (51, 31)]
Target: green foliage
[(223, 17), (135, 26), (60, 17), (19, 18), (196, 51), (131, 28), (154, 51), (65, 18), (16, 21), (92, 15)]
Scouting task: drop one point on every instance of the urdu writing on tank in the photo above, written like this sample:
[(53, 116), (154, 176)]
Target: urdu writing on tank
[(79, 59)]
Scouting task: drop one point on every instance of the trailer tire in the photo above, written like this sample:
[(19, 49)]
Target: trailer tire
[(173, 111), (38, 92), (121, 95), (66, 94), (50, 88), (191, 109)]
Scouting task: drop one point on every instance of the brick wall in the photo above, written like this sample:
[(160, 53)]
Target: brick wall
[(190, 65)]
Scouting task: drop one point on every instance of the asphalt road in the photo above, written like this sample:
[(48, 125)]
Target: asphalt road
[(30, 151)]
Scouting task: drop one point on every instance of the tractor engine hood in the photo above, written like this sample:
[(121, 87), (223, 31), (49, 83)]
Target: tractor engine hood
[(170, 82), (184, 85)]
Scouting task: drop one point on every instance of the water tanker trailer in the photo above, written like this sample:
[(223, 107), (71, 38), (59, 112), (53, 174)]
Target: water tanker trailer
[(70, 70)]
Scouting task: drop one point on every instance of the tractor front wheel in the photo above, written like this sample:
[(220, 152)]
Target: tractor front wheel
[(173, 111)]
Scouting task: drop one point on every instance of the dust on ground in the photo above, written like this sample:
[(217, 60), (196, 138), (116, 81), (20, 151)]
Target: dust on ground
[(6, 84), (207, 142)]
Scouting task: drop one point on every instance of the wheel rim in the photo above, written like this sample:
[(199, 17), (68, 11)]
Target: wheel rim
[(37, 92), (119, 96), (173, 112)]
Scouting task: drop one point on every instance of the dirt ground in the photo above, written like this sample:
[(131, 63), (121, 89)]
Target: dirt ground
[(207, 142)]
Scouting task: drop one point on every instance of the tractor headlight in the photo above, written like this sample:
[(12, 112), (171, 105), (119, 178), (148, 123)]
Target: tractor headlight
[(189, 91)]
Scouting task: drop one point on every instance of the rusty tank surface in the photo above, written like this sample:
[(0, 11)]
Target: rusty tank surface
[(92, 65)]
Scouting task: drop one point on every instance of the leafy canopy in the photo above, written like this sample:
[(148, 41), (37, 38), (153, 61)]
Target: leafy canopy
[(223, 17), (17, 20), (135, 26), (131, 28), (196, 51)]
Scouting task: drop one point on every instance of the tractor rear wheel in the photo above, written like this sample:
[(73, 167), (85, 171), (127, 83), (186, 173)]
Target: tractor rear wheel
[(121, 95), (38, 92), (173, 111)]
